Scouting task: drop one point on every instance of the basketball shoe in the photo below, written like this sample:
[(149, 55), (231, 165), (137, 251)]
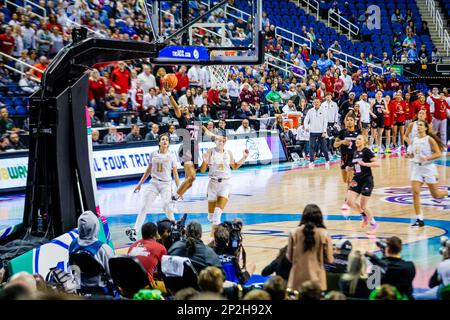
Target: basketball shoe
[(131, 234)]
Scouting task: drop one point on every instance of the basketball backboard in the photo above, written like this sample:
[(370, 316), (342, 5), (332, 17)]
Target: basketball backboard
[(208, 32)]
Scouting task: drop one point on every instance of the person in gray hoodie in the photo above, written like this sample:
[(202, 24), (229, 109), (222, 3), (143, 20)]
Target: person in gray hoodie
[(88, 227)]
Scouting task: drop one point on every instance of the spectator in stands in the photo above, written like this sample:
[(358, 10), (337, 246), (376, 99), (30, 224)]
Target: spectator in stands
[(341, 252), (173, 137), (27, 84), (276, 287), (4, 144), (233, 90), (386, 292), (147, 79), (193, 248), (43, 41), (424, 31), (412, 54), (221, 129), (152, 115), (244, 112), (148, 251), (166, 118), (211, 279), (6, 123), (15, 143), (423, 55), (309, 247), (409, 40), (281, 266), (289, 107), (204, 114), (186, 99), (394, 270), (96, 138), (88, 228), (57, 41), (7, 41), (96, 91), (29, 36), (310, 291), (319, 47), (134, 135), (354, 283), (113, 136), (336, 46), (436, 56), (153, 134), (397, 17), (273, 95), (183, 81), (305, 53), (393, 84), (42, 65), (245, 127), (311, 35), (150, 99), (121, 78)]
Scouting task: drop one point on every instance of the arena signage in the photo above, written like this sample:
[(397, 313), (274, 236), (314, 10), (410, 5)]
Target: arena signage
[(184, 52), (132, 161)]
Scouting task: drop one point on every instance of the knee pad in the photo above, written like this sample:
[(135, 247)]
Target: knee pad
[(216, 216)]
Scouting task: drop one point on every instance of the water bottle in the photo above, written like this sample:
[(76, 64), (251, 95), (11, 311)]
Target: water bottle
[(40, 224)]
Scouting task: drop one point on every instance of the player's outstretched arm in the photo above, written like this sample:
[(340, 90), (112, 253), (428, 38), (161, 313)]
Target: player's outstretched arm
[(144, 177), (237, 165)]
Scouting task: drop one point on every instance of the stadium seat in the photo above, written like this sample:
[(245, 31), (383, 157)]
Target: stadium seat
[(128, 275)]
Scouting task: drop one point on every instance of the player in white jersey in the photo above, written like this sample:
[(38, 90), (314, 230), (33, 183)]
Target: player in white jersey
[(162, 165), (411, 129), (425, 148), (220, 162)]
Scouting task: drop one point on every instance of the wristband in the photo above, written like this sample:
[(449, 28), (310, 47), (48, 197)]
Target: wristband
[(169, 94)]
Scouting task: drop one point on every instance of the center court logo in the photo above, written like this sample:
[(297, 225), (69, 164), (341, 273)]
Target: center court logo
[(403, 195)]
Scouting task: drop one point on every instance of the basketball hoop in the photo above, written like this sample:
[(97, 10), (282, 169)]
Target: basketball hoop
[(219, 73)]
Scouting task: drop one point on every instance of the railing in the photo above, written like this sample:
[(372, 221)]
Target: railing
[(29, 3), (204, 26), (346, 57), (286, 67), (8, 57), (342, 23), (292, 36), (439, 22), (312, 7)]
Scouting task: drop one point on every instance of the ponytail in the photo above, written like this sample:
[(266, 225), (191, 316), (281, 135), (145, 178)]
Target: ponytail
[(433, 135), (190, 246), (308, 232)]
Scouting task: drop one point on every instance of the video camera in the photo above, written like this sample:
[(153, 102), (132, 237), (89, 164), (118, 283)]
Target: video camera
[(177, 230), (445, 242), (382, 245), (235, 230)]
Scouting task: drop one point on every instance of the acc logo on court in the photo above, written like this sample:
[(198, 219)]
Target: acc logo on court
[(403, 195)]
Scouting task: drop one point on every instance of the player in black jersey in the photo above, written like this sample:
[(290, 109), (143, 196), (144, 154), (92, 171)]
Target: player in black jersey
[(345, 141), (188, 152), (362, 183), (377, 121)]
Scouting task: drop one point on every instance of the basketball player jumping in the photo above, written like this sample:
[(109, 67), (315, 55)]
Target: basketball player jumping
[(162, 164), (220, 162), (362, 183), (425, 148)]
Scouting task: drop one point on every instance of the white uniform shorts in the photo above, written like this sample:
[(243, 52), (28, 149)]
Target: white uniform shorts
[(424, 173), (155, 188), (218, 189)]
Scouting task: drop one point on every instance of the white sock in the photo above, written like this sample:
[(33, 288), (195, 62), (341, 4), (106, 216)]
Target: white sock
[(373, 221), (216, 216), (420, 216)]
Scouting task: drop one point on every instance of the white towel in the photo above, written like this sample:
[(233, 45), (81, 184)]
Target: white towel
[(173, 266)]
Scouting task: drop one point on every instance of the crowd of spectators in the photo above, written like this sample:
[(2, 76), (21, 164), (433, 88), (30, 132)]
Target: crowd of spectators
[(134, 88), (309, 267)]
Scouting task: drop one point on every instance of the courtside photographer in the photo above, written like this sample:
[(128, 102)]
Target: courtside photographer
[(394, 270), (170, 231), (228, 246)]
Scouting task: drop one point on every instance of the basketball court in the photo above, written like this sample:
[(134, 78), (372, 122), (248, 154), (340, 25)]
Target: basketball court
[(269, 200)]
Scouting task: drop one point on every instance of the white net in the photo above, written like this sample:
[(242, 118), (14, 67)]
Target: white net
[(219, 73), (219, 76)]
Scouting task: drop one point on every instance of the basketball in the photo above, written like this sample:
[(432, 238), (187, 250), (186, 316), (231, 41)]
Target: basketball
[(171, 80)]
